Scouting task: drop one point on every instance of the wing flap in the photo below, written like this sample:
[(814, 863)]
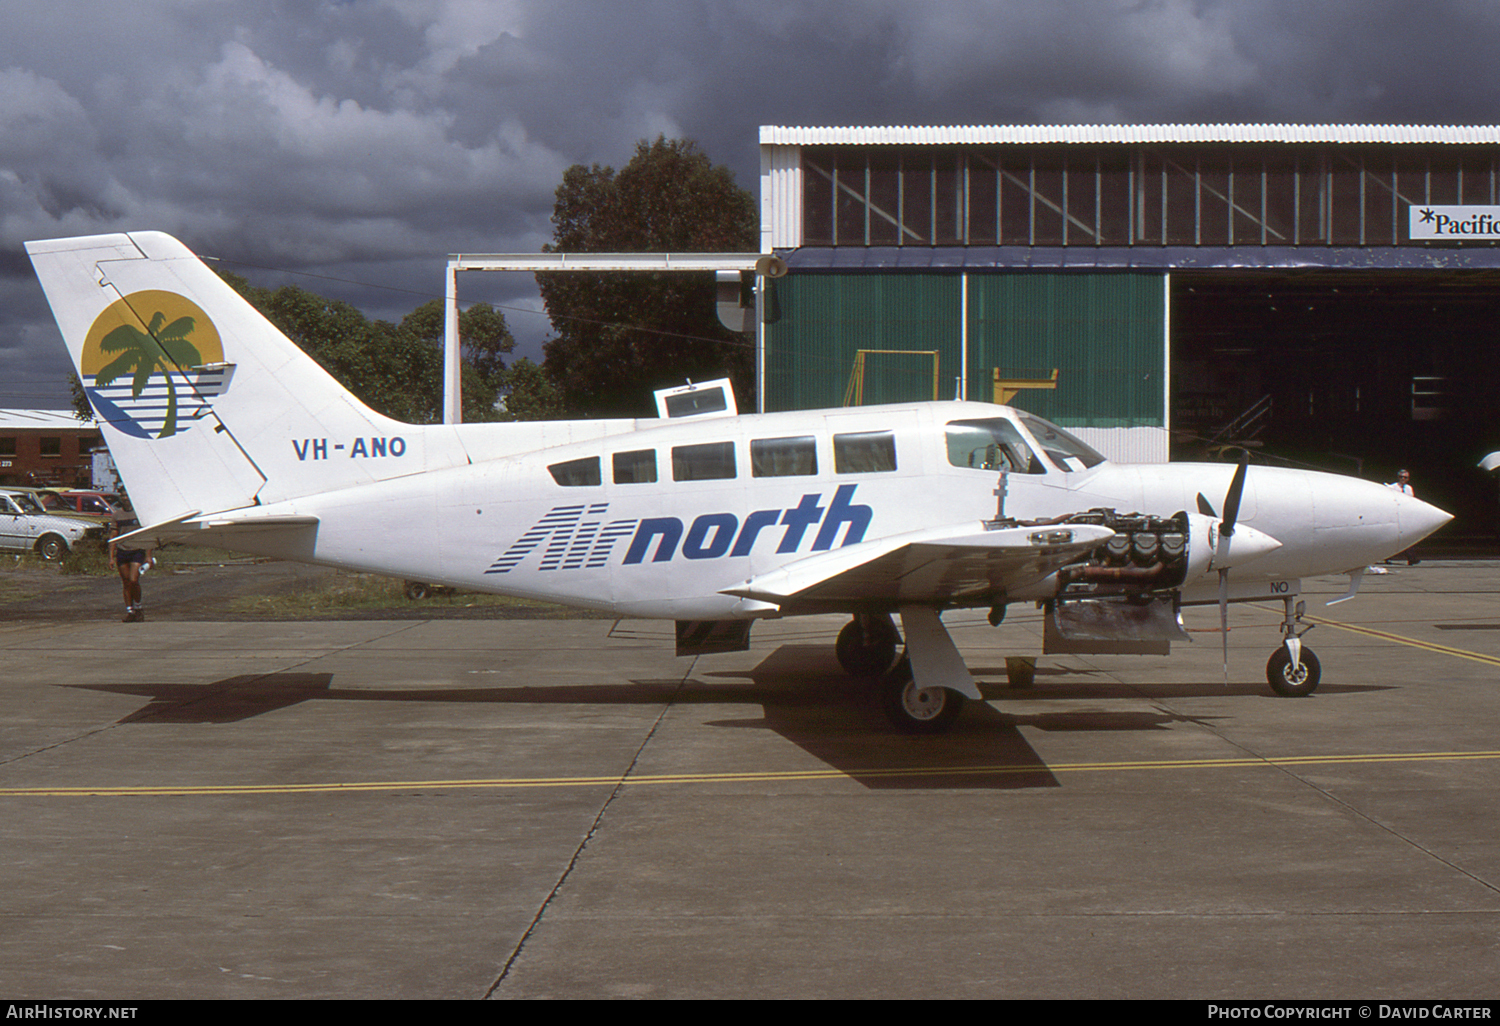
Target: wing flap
[(936, 566)]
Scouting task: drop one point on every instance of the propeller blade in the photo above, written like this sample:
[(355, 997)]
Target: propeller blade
[(1232, 500), (1224, 619), (1226, 531), (1205, 507)]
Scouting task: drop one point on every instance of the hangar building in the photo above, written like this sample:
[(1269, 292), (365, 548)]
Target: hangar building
[(1325, 295)]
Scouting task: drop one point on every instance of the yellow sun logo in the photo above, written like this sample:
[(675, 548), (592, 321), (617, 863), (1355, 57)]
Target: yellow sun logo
[(140, 350)]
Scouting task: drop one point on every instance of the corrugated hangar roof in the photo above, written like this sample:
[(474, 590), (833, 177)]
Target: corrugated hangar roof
[(937, 135)]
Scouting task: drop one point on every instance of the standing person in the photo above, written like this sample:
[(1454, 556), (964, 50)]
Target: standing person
[(1402, 484), (130, 563)]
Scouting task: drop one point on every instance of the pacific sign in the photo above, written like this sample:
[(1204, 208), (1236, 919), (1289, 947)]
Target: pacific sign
[(1454, 223)]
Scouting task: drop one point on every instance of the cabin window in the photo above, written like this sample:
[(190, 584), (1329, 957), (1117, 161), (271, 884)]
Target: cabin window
[(635, 467), (713, 461), (783, 457), (865, 452), (991, 444), (1061, 448), (691, 404), (576, 473)]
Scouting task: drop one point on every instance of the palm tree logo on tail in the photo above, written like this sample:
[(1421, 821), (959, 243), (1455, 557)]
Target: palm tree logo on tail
[(156, 359)]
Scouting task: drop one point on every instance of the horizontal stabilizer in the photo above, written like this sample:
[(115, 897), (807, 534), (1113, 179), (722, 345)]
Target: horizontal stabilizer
[(935, 566), (219, 530)]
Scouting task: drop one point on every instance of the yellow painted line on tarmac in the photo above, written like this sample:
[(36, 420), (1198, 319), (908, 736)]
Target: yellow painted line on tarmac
[(1426, 646), (768, 776), (1399, 639)]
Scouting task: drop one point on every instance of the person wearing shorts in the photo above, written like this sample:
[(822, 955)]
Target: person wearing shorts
[(130, 563)]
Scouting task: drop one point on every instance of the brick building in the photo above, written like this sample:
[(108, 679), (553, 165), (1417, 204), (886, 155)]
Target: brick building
[(46, 448)]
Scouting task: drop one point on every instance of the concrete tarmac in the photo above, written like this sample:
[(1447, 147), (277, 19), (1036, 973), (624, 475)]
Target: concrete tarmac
[(529, 809)]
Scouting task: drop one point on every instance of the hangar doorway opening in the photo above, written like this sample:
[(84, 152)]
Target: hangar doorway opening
[(1356, 372)]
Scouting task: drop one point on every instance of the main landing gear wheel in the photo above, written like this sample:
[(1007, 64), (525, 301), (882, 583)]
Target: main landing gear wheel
[(1293, 681), (913, 709), (867, 645)]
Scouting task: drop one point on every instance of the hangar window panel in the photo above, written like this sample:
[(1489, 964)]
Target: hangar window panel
[(1047, 201), (817, 200), (849, 197), (883, 213), (635, 467), (576, 473), (712, 461), (1246, 195), (1312, 201), (947, 198), (7, 446), (1279, 200), (983, 200), (1411, 182), (916, 198), (1080, 199), (1214, 204), (1477, 179), (1015, 203), (783, 457), (1179, 174), (1346, 203), (864, 452), (1380, 207), (1442, 183), (1115, 188)]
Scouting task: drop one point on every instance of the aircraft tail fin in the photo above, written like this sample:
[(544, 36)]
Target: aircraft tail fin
[(204, 404)]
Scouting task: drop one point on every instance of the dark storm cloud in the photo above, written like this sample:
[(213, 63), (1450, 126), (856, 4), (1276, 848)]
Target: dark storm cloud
[(365, 141)]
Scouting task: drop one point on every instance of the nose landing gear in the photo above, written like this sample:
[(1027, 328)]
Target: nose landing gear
[(1294, 671)]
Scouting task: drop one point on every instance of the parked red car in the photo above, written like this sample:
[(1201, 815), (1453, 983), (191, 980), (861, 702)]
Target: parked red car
[(99, 504)]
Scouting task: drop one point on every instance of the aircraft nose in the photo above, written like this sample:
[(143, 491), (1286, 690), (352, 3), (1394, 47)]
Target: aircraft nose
[(1416, 519), (1362, 522)]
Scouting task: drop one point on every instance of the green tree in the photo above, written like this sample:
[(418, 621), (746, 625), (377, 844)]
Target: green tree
[(482, 332), (621, 336), (394, 369), (529, 394)]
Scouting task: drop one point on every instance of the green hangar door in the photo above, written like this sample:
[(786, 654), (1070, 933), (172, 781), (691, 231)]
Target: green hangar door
[(852, 339)]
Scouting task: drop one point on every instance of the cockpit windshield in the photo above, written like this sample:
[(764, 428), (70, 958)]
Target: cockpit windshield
[(1061, 448), (991, 444)]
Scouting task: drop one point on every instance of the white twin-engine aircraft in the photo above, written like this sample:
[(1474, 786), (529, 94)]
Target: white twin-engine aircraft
[(228, 435)]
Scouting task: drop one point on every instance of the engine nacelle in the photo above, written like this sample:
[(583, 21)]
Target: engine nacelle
[(1147, 554)]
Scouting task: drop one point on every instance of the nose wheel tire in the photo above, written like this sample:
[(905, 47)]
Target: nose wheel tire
[(913, 709), (1293, 681)]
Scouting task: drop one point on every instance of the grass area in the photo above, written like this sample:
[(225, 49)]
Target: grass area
[(372, 593)]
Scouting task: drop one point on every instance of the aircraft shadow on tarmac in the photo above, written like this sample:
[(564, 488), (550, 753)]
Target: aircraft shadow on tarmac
[(804, 697)]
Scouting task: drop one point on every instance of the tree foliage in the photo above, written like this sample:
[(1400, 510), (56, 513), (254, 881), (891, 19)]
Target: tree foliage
[(394, 369), (529, 394), (620, 336)]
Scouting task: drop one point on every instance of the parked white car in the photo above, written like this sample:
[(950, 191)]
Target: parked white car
[(26, 527)]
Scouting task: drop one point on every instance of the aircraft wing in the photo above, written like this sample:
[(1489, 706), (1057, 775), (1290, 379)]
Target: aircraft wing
[(219, 529), (934, 566)]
